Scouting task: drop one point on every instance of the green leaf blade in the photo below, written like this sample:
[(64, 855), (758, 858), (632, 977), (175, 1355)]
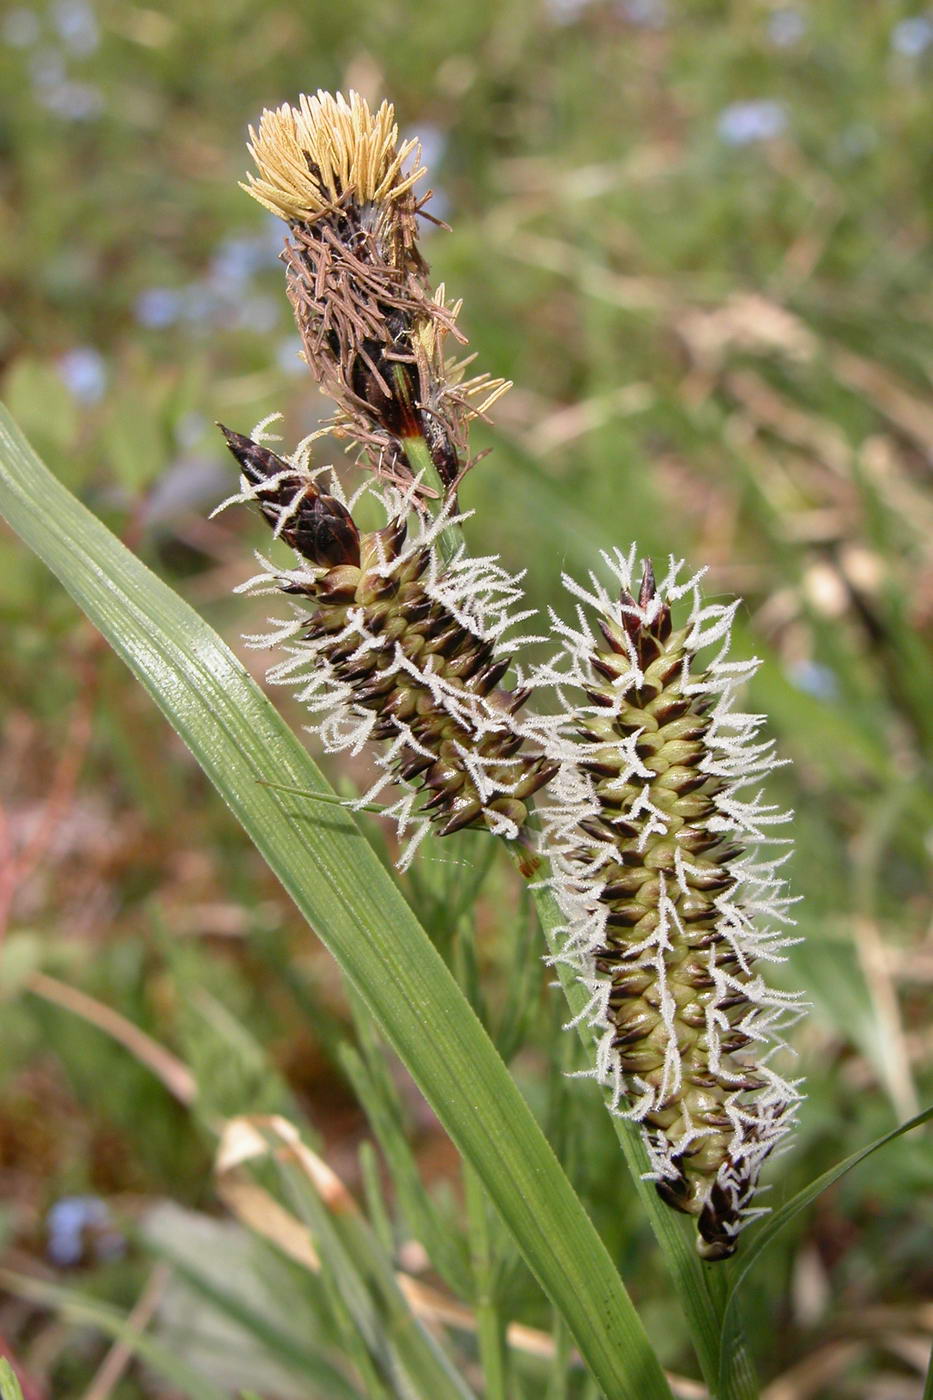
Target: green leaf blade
[(339, 886)]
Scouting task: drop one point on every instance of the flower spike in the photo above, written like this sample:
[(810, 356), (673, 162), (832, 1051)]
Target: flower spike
[(403, 648), (328, 149), (668, 909), (655, 825), (373, 332)]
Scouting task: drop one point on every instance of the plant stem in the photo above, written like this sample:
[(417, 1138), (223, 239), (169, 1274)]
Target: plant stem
[(490, 1329), (420, 461)]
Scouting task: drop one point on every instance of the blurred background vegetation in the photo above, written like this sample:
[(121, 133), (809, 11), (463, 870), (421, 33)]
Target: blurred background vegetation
[(695, 237)]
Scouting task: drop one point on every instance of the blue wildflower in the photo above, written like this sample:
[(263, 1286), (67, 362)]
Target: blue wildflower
[(913, 36), (744, 123), (84, 371)]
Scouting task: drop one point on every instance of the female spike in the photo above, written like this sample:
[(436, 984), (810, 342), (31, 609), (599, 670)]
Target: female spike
[(668, 908)]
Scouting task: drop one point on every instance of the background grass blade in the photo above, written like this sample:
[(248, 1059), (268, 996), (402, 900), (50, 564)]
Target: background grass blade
[(776, 1222), (409, 1360), (9, 1385), (310, 1366), (90, 1312), (339, 886)]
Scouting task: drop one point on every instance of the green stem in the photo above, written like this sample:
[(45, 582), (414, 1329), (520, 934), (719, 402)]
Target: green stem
[(421, 463), (333, 798), (489, 1327)]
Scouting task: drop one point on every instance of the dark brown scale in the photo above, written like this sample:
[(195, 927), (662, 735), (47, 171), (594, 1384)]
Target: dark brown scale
[(373, 380), (599, 697), (490, 678), (396, 609), (316, 525), (608, 669), (509, 701), (717, 1213), (441, 446)]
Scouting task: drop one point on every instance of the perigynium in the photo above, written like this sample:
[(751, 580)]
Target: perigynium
[(398, 641)]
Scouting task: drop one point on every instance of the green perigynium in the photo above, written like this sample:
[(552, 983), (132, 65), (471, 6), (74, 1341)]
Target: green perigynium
[(669, 904)]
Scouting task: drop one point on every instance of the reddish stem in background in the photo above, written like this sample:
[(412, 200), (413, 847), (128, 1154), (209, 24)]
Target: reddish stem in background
[(17, 866)]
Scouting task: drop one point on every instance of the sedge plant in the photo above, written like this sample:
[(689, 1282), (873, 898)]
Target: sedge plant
[(399, 639), (606, 748)]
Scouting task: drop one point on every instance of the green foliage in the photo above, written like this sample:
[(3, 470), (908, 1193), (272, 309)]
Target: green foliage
[(343, 892), (9, 1385)]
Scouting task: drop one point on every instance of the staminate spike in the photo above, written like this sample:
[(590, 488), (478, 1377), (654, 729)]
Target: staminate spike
[(313, 157), (373, 332)]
